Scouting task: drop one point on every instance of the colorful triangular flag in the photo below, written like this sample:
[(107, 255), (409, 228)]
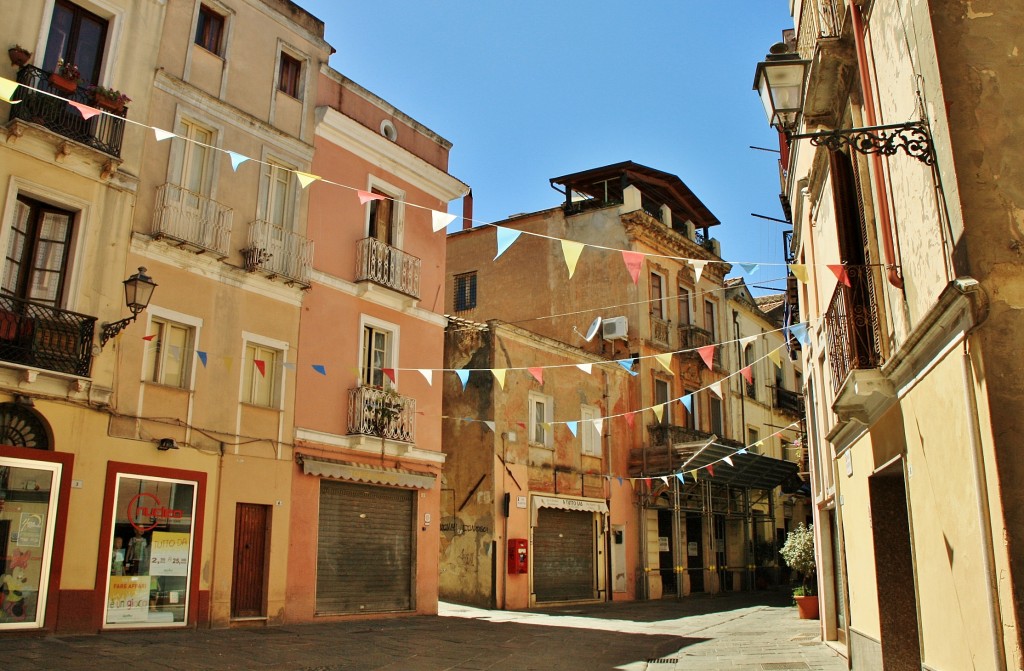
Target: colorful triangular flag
[(698, 269), (499, 375), (427, 374), (320, 368), (506, 236), (586, 367), (571, 250), (440, 220), (236, 159), (840, 272), (389, 373), (86, 111), (687, 402), (7, 89), (572, 428), (775, 357), (537, 373), (633, 260), (748, 374), (716, 388), (261, 366), (749, 268), (463, 377), (799, 271), (727, 460), (630, 418), (659, 412), (665, 359), (162, 134), (202, 357), (707, 353), (711, 469), (489, 424), (366, 196)]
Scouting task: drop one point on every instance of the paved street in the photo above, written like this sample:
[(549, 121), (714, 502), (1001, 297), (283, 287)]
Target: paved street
[(754, 632)]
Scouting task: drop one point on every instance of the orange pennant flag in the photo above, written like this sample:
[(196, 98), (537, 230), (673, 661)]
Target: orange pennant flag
[(840, 272), (537, 373), (149, 337), (630, 419), (707, 353)]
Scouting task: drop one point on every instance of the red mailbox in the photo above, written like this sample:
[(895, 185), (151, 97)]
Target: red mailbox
[(517, 556)]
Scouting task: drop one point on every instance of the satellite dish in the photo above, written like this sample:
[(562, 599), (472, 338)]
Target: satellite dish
[(592, 331)]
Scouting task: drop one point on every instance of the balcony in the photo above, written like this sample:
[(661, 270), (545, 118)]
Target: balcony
[(820, 39), (850, 327), (819, 19), (40, 336), (376, 412), (277, 252), (382, 264), (656, 456), (191, 220), (788, 402), (691, 337), (659, 331), (102, 132)]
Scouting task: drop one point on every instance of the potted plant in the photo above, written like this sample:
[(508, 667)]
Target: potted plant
[(66, 76), (798, 552), (109, 99), (19, 55)]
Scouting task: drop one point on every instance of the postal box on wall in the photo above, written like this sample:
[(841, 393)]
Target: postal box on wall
[(517, 556)]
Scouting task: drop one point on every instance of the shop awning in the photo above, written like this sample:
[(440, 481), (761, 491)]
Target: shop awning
[(756, 471), (376, 475), (593, 506)]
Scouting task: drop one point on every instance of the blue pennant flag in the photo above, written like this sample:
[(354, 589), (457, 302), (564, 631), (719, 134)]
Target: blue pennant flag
[(687, 402), (202, 357), (506, 236), (320, 368), (463, 377), (799, 332), (682, 480), (628, 365), (236, 159)]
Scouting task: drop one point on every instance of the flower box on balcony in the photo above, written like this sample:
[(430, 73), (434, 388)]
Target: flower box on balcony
[(63, 84)]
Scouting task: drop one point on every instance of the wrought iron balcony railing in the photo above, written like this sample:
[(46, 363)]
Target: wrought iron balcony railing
[(691, 337), (376, 412), (382, 264), (659, 330), (44, 337), (850, 324), (818, 19), (103, 132), (192, 220), (788, 401), (277, 252)]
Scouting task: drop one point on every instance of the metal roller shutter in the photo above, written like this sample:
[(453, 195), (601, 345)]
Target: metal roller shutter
[(563, 555), (365, 553)]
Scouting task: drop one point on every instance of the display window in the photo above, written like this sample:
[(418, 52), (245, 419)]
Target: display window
[(150, 559), (28, 512)]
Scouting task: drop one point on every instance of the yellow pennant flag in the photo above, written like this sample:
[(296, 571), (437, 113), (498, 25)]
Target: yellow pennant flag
[(658, 410), (7, 88), (665, 360), (305, 178), (571, 250), (499, 375), (776, 359), (799, 271)]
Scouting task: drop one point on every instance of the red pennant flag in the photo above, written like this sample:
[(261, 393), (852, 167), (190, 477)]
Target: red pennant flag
[(261, 366), (840, 273), (521, 425), (707, 353), (365, 197), (748, 375), (711, 469), (630, 419), (149, 337), (537, 373), (390, 372), (648, 481), (633, 262)]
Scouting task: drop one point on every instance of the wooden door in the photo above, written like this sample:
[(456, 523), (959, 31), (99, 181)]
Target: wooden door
[(249, 577)]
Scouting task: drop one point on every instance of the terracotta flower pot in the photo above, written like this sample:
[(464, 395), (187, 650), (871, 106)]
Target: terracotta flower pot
[(108, 104), (64, 84), (18, 57), (807, 606)]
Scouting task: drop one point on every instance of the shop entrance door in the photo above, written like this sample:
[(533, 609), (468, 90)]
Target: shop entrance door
[(250, 571), (666, 553), (695, 551)]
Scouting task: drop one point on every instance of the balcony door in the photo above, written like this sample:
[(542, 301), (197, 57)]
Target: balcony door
[(377, 345), (76, 36), (382, 219), (37, 253)]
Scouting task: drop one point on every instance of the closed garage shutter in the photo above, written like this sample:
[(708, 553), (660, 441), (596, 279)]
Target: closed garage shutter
[(365, 555), (563, 555)]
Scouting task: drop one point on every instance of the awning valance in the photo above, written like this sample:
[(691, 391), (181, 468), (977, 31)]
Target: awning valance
[(583, 505), (377, 475)]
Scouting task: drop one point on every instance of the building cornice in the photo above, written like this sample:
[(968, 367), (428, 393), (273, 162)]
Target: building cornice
[(368, 445), (378, 295), (640, 227)]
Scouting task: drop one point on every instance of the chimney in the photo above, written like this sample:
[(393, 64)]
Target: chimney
[(467, 211)]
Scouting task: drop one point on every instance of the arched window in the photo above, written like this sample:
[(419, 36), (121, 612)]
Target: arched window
[(21, 426)]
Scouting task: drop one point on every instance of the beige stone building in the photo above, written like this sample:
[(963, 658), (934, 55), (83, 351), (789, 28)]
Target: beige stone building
[(912, 367)]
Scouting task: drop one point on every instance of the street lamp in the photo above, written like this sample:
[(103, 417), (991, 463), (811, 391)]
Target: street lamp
[(779, 79), (138, 291)]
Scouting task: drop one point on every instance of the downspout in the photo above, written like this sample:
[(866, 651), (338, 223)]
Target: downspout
[(881, 194), (743, 392)]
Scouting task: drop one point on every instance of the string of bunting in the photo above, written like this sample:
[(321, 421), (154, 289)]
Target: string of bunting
[(439, 220)]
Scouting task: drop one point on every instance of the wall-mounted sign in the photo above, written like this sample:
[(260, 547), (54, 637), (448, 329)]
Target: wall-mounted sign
[(520, 502)]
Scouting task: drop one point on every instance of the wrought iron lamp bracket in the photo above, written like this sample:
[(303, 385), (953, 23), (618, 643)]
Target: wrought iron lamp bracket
[(911, 137), (112, 329)]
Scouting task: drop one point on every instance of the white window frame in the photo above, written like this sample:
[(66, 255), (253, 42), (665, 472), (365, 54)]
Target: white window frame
[(547, 402), (265, 203), (280, 372), (366, 321), (194, 324), (181, 148), (590, 439)]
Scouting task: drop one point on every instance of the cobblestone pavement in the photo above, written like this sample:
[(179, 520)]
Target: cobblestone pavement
[(752, 632)]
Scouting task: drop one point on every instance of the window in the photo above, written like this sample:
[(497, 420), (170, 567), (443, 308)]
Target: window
[(716, 416), (684, 306), (210, 30), (657, 296), (748, 360), (690, 416), (280, 194), (195, 170), (169, 353), (382, 218), (709, 318), (752, 437), (290, 75), (37, 252), (590, 439), (261, 375), (78, 37), (662, 392), (465, 291), (377, 345), (540, 416)]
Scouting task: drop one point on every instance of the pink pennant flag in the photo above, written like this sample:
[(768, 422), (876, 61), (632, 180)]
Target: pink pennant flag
[(390, 372), (748, 375), (261, 366), (707, 353), (711, 469), (149, 337), (365, 197), (633, 262), (630, 419), (86, 111), (537, 373), (840, 273)]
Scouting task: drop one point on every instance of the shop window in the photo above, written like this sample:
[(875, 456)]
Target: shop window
[(465, 291), (169, 353), (210, 30), (150, 561), (261, 375), (290, 75)]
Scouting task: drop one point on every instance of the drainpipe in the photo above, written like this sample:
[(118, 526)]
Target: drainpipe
[(881, 194), (743, 390)]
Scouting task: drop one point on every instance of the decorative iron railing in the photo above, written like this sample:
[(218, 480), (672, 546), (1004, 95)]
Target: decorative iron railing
[(382, 264), (383, 413), (675, 434), (44, 337), (659, 330), (277, 252), (103, 132), (849, 327), (789, 401), (192, 219), (818, 19), (691, 337)]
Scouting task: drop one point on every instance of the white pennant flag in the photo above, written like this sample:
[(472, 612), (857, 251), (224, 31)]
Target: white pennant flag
[(162, 135), (598, 425), (441, 220), (698, 269), (716, 387), (585, 367), (428, 374)]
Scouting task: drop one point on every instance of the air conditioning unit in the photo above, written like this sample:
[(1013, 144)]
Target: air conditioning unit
[(614, 328)]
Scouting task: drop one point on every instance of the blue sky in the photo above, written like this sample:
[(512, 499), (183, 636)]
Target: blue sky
[(531, 90)]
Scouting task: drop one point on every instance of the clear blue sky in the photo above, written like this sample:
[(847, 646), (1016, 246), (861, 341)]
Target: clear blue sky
[(531, 90)]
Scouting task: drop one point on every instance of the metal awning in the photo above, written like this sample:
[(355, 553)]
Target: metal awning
[(376, 475), (593, 505), (756, 471)]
